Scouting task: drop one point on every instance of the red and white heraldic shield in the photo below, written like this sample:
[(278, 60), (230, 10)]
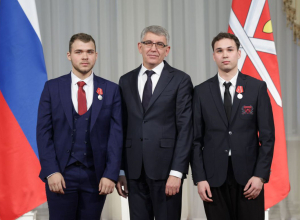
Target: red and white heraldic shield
[(250, 21)]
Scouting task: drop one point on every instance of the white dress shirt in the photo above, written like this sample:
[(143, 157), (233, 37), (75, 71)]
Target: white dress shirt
[(142, 78), (231, 90), (88, 88)]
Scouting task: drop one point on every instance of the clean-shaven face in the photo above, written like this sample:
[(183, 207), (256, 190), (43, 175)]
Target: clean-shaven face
[(153, 56), (226, 55)]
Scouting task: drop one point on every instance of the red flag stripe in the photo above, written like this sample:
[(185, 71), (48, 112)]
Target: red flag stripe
[(20, 186), (255, 15)]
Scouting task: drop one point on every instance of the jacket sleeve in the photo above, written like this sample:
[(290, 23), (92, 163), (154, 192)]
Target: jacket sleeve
[(124, 120), (184, 126), (198, 171), (44, 136), (115, 141), (266, 134)]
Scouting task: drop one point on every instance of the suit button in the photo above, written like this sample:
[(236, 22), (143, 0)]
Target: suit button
[(68, 151), (85, 142), (230, 132), (73, 142), (74, 129), (86, 119), (226, 151), (141, 139), (84, 154), (85, 130), (72, 153)]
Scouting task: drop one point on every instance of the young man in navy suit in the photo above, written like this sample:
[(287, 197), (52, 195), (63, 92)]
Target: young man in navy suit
[(79, 136), (233, 138), (157, 111)]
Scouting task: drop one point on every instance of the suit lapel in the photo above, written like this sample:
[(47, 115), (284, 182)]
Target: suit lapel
[(216, 94), (134, 88), (241, 81), (166, 76), (97, 104), (66, 99)]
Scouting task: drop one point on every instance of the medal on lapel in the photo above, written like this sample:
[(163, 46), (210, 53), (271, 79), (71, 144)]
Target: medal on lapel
[(239, 90), (100, 93)]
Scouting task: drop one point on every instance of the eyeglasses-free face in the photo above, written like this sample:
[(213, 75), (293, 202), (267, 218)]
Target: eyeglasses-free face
[(154, 49)]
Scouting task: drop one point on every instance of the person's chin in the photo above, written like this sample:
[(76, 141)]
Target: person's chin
[(153, 62), (85, 71), (227, 69)]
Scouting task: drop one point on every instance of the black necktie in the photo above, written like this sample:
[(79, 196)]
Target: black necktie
[(147, 89), (227, 100)]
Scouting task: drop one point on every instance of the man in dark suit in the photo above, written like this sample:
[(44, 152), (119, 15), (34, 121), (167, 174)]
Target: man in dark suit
[(233, 138), (79, 136), (157, 116)]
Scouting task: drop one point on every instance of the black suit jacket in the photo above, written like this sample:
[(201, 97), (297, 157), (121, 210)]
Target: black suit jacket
[(214, 135), (161, 138)]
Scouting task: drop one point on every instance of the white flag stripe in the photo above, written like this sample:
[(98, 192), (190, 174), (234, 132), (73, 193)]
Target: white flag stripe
[(29, 9), (255, 59), (261, 45), (253, 16), (242, 59)]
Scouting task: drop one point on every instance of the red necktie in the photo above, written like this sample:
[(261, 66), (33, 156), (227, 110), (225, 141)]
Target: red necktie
[(81, 98)]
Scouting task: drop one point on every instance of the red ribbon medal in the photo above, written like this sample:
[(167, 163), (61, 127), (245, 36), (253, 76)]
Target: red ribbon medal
[(239, 90), (100, 93)]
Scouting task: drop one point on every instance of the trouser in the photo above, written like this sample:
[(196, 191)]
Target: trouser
[(147, 199), (81, 199), (229, 202)]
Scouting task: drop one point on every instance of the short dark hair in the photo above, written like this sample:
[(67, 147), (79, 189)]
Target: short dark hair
[(82, 37), (223, 35)]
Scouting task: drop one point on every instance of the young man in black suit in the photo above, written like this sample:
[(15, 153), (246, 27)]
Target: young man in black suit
[(157, 115), (233, 138)]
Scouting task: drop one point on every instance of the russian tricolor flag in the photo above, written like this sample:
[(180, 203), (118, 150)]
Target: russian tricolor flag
[(22, 77)]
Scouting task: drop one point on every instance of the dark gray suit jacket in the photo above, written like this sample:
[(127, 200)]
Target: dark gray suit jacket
[(161, 137)]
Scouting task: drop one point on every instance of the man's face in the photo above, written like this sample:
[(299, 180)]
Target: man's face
[(82, 56), (226, 55), (152, 56)]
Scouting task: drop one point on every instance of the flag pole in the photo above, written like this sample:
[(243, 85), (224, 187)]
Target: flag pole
[(267, 214)]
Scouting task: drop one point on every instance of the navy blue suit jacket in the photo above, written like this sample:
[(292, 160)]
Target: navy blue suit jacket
[(249, 133), (55, 125)]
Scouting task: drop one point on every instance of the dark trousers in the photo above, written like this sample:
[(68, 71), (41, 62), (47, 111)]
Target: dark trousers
[(147, 199), (229, 203), (81, 199)]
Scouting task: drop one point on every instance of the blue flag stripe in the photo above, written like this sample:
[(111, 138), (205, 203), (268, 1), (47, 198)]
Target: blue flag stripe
[(22, 69)]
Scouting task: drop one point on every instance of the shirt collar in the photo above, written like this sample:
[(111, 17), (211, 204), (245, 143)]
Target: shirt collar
[(158, 69), (88, 81), (233, 79)]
